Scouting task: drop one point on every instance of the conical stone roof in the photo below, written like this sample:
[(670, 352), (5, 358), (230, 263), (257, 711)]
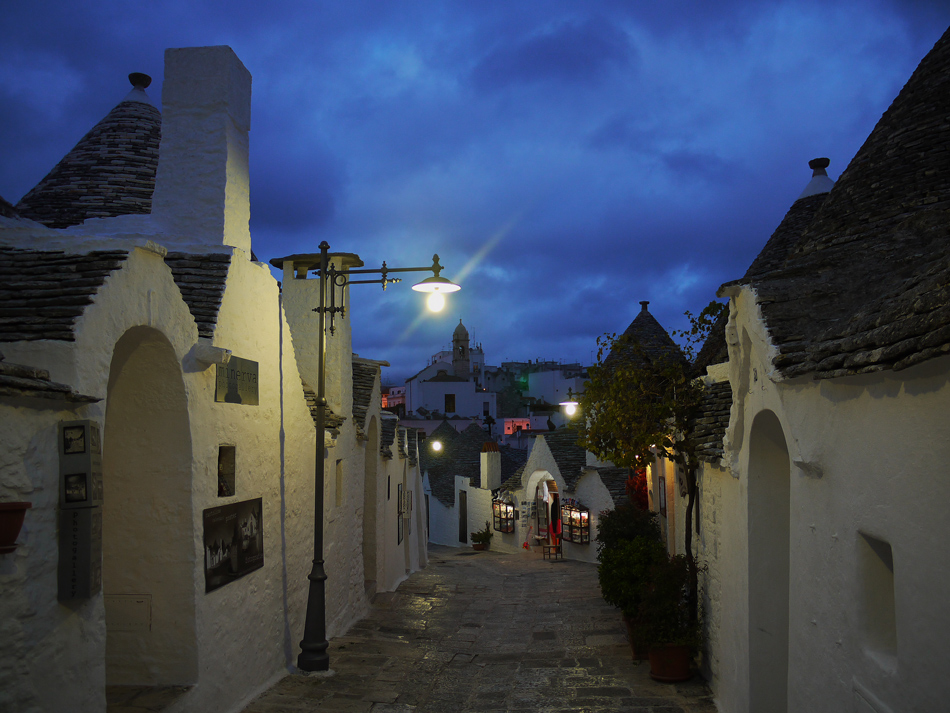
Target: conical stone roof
[(865, 285), (654, 341), (110, 172)]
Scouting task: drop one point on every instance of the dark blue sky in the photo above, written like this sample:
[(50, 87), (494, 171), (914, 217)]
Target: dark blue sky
[(565, 159)]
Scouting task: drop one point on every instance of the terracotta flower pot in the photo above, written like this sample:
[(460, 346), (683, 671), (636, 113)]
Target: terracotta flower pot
[(670, 663), (479, 546), (639, 650), (11, 520)]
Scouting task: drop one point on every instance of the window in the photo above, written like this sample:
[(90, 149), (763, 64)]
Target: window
[(485, 408), (339, 483), (576, 526), (399, 507), (450, 403), (876, 562), (503, 516), (226, 458)]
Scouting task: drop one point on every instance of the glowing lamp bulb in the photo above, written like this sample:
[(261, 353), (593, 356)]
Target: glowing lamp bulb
[(437, 446), (435, 301), (570, 409)]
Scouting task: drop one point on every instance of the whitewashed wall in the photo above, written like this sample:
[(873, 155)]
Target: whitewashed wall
[(867, 455)]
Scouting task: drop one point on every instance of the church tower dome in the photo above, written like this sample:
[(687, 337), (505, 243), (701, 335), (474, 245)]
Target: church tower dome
[(461, 352)]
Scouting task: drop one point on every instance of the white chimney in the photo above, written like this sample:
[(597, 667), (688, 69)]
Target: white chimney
[(201, 187), (491, 466)]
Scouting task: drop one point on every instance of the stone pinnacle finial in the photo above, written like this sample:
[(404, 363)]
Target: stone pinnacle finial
[(643, 305), (139, 80), (818, 165)]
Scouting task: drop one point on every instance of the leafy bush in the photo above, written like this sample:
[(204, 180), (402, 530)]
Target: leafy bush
[(624, 524), (663, 615), (625, 570)]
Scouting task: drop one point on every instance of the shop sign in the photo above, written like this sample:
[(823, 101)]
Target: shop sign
[(237, 382)]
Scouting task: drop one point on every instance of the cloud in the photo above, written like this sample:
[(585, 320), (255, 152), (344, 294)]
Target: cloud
[(570, 51)]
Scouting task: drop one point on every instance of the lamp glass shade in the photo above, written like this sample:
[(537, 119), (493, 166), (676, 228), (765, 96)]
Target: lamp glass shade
[(436, 284)]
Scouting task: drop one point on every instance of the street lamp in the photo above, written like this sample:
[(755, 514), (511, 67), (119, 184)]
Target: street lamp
[(570, 404), (313, 648)]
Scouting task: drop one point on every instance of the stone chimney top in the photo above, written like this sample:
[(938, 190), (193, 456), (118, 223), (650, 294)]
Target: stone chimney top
[(643, 305), (819, 183)]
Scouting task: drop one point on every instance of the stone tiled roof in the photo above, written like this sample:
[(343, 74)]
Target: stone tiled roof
[(110, 172), (571, 458), (332, 421), (445, 376), (7, 210), (201, 279), (18, 381), (654, 341), (786, 235), (364, 379), (43, 292), (461, 455), (709, 426), (387, 433), (513, 482), (413, 436), (866, 286), (615, 480), (714, 349)]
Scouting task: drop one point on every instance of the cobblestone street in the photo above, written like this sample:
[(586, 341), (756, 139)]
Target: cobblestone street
[(484, 631)]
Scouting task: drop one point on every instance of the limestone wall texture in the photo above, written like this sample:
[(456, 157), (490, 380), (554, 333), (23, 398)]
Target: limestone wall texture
[(854, 477)]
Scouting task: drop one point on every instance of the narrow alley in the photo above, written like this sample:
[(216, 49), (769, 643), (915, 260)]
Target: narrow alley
[(486, 631)]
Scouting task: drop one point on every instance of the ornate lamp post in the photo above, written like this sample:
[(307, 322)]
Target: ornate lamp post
[(313, 648)]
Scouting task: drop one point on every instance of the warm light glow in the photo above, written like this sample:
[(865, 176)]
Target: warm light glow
[(436, 284), (437, 446), (435, 302), (570, 409)]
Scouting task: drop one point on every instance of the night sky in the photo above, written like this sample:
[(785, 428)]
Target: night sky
[(565, 159)]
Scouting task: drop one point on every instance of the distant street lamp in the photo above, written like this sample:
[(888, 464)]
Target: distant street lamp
[(570, 404), (313, 648)]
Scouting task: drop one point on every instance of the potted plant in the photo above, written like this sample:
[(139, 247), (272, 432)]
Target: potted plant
[(665, 622), (628, 543), (624, 573), (11, 520), (481, 539)]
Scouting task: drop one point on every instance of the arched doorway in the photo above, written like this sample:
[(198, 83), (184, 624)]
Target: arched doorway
[(370, 487), (148, 548), (769, 522), (548, 511)]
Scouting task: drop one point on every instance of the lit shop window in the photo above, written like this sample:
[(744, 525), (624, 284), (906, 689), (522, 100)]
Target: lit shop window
[(503, 516), (576, 526)]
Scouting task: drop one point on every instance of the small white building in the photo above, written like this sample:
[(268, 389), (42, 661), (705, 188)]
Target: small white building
[(822, 512), (156, 399)]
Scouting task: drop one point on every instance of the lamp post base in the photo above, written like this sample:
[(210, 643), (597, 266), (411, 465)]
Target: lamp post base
[(314, 658)]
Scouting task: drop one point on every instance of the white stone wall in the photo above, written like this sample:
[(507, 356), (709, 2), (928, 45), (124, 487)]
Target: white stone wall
[(867, 455)]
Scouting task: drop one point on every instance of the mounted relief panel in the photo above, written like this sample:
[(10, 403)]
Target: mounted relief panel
[(80, 509)]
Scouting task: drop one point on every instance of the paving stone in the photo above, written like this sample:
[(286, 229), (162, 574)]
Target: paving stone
[(491, 632)]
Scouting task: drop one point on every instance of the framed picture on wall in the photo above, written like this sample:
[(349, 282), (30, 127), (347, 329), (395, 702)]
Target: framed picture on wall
[(74, 440)]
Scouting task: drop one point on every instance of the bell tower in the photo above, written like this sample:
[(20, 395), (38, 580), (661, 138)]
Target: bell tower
[(461, 359)]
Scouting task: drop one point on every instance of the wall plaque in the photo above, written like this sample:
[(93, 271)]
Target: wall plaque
[(80, 553), (234, 542), (237, 382)]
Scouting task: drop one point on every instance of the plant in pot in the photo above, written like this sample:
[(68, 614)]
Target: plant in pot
[(11, 520), (665, 622), (628, 542), (624, 573), (481, 539)]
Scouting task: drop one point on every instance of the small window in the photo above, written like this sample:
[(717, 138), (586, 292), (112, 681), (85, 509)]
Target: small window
[(876, 562), (486, 411), (399, 508), (226, 459), (503, 516), (450, 403), (339, 483)]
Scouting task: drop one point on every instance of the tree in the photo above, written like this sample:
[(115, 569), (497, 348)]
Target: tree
[(638, 404)]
